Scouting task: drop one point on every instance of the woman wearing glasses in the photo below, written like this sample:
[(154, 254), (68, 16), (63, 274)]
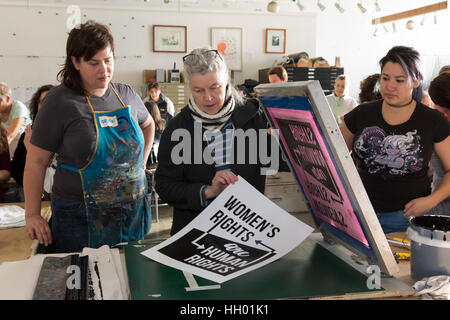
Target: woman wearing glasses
[(189, 179), (102, 134)]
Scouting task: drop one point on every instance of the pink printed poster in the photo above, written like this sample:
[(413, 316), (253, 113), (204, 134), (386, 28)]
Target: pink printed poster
[(315, 169)]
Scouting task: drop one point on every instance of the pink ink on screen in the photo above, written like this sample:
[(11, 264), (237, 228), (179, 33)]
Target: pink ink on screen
[(315, 169)]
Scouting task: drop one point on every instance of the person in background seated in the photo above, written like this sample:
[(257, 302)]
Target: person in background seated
[(20, 154), (165, 105), (392, 141), (440, 94), (160, 124), (277, 74), (14, 116), (339, 101), (5, 163), (369, 88)]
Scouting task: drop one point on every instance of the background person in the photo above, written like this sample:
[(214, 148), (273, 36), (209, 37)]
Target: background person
[(20, 154), (370, 88), (445, 69), (5, 163), (439, 91), (392, 140), (277, 74), (217, 108), (102, 134), (14, 116), (165, 105), (160, 125), (339, 101)]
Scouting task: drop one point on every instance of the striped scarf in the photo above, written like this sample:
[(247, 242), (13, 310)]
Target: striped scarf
[(212, 121)]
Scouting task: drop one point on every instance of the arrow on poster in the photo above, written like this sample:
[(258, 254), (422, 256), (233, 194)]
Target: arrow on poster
[(240, 231)]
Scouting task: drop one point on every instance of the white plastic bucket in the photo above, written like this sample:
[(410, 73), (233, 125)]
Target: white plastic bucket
[(430, 246)]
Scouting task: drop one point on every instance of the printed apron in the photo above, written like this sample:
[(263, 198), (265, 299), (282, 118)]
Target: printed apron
[(114, 182)]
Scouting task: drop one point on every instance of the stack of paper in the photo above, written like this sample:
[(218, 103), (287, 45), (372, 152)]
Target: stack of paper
[(11, 217)]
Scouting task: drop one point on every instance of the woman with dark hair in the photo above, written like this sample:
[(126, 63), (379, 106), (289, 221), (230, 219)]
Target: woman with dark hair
[(102, 134), (369, 88), (439, 91), (160, 124), (392, 141), (20, 154)]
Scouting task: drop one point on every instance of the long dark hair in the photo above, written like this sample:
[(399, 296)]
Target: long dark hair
[(153, 109), (34, 102), (83, 42)]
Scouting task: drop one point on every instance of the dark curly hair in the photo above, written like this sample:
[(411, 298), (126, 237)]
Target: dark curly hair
[(369, 90), (439, 90), (34, 102)]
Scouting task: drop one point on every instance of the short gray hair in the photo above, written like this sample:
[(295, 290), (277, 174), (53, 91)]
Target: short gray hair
[(5, 90), (205, 60)]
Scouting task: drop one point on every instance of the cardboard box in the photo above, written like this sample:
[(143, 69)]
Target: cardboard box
[(149, 76), (154, 75)]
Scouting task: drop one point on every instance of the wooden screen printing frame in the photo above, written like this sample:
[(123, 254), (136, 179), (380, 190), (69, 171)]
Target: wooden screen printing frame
[(308, 96)]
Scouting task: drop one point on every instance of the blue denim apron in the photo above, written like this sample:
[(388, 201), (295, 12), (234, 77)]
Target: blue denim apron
[(114, 182)]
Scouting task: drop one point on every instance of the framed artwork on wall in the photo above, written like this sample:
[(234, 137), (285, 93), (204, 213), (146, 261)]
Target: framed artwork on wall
[(228, 41), (275, 40), (169, 38)]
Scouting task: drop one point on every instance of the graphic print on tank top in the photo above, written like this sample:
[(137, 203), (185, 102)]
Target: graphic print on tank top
[(389, 154)]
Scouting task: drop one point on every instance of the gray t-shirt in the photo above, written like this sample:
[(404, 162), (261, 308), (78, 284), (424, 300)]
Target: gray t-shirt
[(65, 125)]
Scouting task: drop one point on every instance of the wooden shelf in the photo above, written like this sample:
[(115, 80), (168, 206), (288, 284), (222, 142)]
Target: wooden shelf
[(411, 13)]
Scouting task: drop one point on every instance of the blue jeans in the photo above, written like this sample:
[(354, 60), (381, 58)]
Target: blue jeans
[(393, 221), (69, 225)]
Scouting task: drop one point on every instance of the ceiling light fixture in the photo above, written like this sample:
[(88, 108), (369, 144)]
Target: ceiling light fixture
[(410, 25), (385, 29), (393, 27), (339, 7), (435, 18), (360, 6), (273, 7), (377, 6), (375, 32), (423, 21), (300, 6), (320, 5)]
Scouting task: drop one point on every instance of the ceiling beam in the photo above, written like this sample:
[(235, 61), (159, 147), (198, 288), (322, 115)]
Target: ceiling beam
[(411, 13)]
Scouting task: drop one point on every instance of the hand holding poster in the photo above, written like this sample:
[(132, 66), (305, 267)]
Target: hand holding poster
[(240, 231)]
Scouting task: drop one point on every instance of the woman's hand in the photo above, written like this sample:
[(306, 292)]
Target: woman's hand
[(220, 181), (418, 207), (38, 228)]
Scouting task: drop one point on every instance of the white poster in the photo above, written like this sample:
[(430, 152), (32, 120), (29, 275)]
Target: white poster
[(240, 231)]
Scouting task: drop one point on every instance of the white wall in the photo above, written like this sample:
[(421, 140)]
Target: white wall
[(350, 36), (41, 32), (329, 33)]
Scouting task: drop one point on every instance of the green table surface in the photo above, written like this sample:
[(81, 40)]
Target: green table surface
[(308, 271)]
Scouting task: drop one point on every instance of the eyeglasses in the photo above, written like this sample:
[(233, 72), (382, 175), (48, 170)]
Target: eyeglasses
[(204, 54)]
